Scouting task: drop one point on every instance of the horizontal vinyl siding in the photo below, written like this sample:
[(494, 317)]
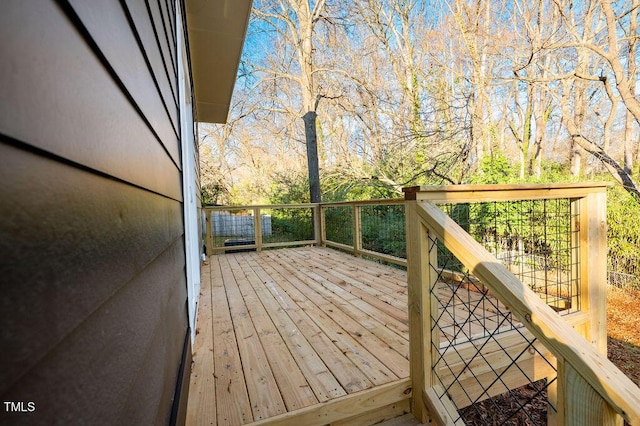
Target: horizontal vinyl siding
[(70, 240), (93, 310), (139, 14), (112, 369), (169, 62), (107, 23), (67, 103), (171, 40)]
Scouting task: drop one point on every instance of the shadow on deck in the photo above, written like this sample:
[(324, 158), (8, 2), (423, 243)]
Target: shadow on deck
[(300, 336)]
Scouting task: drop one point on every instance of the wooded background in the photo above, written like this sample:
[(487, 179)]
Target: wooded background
[(405, 92)]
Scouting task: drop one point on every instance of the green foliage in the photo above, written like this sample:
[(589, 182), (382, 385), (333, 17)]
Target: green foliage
[(494, 169), (623, 233), (383, 227), (289, 188), (383, 230), (339, 224), (340, 188), (290, 225)]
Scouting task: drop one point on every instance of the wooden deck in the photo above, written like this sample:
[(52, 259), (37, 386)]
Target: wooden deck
[(299, 336)]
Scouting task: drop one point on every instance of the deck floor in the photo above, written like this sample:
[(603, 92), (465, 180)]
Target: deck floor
[(281, 330)]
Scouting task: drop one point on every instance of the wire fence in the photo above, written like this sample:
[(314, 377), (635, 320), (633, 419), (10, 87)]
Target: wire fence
[(383, 229), (236, 226), (485, 362), (339, 224), (537, 240), (288, 224)]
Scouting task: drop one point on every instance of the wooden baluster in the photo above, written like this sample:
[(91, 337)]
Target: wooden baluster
[(419, 279), (209, 231), (357, 230)]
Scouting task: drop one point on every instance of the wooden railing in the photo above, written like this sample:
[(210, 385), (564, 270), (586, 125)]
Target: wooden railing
[(590, 389), (342, 230), (243, 229), (587, 388), (358, 219)]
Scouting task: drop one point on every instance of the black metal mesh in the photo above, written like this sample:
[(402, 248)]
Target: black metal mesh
[(383, 229), (339, 224), (535, 239), (287, 224), (232, 226), (236, 227), (482, 355)]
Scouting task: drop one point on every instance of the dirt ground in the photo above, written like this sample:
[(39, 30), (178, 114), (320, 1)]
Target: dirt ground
[(623, 328)]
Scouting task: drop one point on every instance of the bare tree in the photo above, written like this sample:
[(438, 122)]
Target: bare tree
[(587, 53), (295, 21), (631, 141)]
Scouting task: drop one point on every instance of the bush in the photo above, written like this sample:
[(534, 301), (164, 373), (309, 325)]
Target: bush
[(623, 232)]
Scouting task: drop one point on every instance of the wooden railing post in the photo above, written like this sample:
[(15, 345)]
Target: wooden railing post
[(578, 402), (593, 266), (418, 276), (323, 225), (357, 230), (209, 231), (318, 224), (581, 404), (257, 228)]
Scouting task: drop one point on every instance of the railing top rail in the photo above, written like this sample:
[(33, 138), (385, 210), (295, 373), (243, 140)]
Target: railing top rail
[(390, 201), (557, 335), (260, 206), (386, 201), (471, 193)]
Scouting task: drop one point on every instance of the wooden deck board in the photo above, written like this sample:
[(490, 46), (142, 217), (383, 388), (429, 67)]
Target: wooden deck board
[(362, 287), (297, 332), (323, 384), (200, 409), (286, 336), (264, 394), (293, 386), (369, 353), (359, 327), (232, 399), (344, 370), (344, 334)]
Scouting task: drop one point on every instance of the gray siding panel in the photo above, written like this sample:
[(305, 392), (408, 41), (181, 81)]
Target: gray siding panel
[(65, 101), (163, 44), (172, 16), (171, 40), (92, 258), (107, 23), (94, 377), (70, 240), (142, 21)]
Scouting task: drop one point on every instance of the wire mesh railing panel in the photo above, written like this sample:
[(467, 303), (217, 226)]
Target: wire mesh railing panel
[(484, 360), (537, 240), (233, 227), (339, 224), (383, 229), (291, 224)]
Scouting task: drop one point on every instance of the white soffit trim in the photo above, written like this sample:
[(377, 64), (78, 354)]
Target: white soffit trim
[(216, 29)]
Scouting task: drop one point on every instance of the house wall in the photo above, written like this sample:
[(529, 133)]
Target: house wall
[(93, 303)]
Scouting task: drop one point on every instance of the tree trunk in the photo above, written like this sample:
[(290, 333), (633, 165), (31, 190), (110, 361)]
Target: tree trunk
[(312, 156), (629, 138)]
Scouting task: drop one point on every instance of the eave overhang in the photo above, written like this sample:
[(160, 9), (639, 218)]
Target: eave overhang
[(216, 30)]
